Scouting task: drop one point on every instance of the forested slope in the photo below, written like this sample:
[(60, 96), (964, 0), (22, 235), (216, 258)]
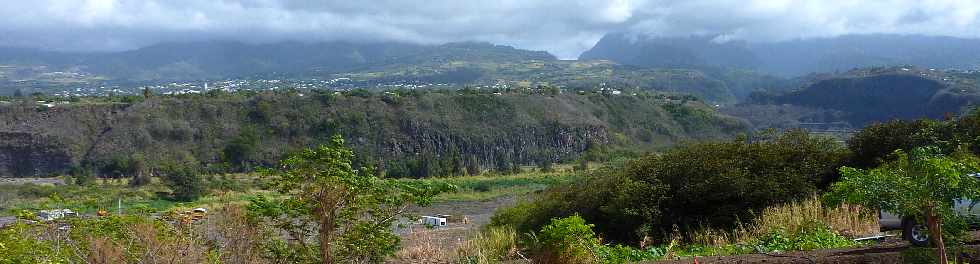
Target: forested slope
[(405, 133)]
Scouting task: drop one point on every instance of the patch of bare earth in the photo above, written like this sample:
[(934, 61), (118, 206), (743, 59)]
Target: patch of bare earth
[(421, 244)]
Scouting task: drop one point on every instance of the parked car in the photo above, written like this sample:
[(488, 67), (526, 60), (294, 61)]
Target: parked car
[(916, 232)]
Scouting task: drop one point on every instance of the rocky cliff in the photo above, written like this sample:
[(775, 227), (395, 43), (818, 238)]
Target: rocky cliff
[(239, 132)]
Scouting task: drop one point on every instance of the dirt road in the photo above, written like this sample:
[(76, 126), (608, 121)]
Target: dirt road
[(890, 251), (39, 181)]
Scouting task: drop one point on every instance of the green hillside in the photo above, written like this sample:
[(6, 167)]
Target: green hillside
[(408, 133)]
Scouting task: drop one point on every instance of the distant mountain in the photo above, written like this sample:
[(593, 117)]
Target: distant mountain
[(863, 96), (790, 58), (213, 60), (368, 65), (689, 52)]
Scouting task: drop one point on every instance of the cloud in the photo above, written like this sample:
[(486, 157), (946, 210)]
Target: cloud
[(563, 27), (776, 20)]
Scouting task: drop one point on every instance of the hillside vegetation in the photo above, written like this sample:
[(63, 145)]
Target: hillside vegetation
[(403, 133), (864, 96), (789, 58)]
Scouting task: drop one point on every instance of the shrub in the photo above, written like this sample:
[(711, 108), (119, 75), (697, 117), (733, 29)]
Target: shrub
[(689, 187), (812, 236), (21, 243), (482, 187), (568, 240), (184, 182)]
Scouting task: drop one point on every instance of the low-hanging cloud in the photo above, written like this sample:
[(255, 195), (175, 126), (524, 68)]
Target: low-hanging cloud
[(562, 27)]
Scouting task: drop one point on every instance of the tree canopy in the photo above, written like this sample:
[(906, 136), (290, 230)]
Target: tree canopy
[(921, 183), (352, 209)]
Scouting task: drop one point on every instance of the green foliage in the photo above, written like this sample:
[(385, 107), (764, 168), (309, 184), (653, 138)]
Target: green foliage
[(184, 181), (236, 132), (875, 143), (18, 245), (620, 254), (915, 184), (352, 208), (810, 237), (569, 238), (81, 175), (241, 149), (691, 186)]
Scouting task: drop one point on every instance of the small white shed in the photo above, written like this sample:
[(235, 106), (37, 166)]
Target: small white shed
[(434, 221)]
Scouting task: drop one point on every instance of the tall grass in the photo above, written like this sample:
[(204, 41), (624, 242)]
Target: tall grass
[(490, 246), (847, 220)]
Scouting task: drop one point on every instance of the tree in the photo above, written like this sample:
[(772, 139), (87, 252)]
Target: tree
[(241, 150), (139, 172), (184, 182), (352, 209), (920, 184), (82, 175)]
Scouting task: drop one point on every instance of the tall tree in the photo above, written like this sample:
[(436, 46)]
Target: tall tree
[(921, 184), (352, 209)]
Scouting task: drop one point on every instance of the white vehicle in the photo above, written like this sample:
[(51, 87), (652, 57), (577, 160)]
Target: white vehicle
[(917, 233)]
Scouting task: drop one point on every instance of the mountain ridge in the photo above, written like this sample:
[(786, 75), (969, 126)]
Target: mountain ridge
[(790, 58)]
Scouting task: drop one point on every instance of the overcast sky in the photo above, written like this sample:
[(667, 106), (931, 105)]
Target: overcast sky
[(563, 27)]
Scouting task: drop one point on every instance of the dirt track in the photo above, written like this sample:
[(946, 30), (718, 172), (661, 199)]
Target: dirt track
[(890, 251), (18, 181)]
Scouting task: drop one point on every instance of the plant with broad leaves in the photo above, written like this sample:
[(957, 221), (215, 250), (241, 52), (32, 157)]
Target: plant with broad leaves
[(349, 212), (920, 184)]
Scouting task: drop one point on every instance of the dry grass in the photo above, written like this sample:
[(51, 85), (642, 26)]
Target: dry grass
[(848, 220), (105, 251), (490, 246), (426, 248), (235, 239)]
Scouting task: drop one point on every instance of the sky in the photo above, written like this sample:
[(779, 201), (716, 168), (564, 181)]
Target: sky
[(562, 27)]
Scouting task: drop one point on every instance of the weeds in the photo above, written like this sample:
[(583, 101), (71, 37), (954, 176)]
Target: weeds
[(846, 220), (425, 249), (493, 244)]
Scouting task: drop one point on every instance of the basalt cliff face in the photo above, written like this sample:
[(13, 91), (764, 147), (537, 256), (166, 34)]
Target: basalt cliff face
[(25, 154), (240, 132)]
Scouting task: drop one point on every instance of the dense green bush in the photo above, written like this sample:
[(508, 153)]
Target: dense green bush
[(873, 144), (18, 244), (568, 239), (692, 186), (184, 181)]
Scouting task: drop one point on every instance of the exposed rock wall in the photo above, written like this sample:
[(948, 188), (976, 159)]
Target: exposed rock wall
[(25, 155), (488, 130)]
